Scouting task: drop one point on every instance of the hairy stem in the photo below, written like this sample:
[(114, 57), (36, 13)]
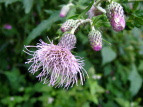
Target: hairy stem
[(82, 22), (101, 9)]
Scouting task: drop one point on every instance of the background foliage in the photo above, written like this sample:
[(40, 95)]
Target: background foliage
[(116, 73)]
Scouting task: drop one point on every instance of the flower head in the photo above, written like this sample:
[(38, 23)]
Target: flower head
[(95, 39), (115, 14), (68, 40), (58, 66), (68, 25)]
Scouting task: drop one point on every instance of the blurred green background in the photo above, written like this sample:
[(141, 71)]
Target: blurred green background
[(115, 73)]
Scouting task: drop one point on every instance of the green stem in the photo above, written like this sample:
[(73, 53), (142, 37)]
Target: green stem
[(101, 9), (134, 0), (82, 22), (70, 1), (97, 2), (97, 5), (106, 41)]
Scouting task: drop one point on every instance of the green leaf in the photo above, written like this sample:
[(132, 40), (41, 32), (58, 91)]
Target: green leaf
[(14, 77), (135, 5), (135, 80), (71, 12), (122, 102), (86, 10), (138, 13), (27, 5), (1, 1), (108, 55), (101, 20), (73, 17), (138, 21), (140, 68), (81, 2), (48, 11), (7, 2), (86, 104), (107, 69), (46, 24), (95, 89)]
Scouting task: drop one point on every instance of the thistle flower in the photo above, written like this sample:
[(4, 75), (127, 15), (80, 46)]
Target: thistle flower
[(68, 41), (95, 39), (68, 25), (115, 14), (58, 66)]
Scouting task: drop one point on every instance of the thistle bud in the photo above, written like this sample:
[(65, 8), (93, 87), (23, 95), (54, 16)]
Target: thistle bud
[(68, 41), (93, 11), (65, 9), (115, 14), (95, 39), (68, 25)]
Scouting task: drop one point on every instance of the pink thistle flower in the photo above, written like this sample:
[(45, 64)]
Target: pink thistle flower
[(7, 26), (115, 14), (95, 39), (58, 66)]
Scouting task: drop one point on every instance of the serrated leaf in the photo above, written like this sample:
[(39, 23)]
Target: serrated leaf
[(108, 55), (27, 5), (46, 24), (135, 80)]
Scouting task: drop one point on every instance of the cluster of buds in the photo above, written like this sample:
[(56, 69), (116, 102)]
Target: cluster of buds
[(114, 12), (95, 37)]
